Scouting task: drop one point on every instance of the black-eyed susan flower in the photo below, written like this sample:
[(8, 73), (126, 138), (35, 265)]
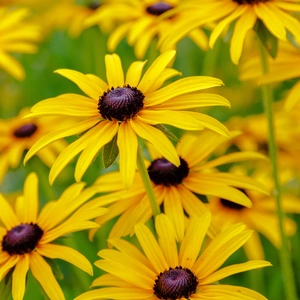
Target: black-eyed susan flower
[(17, 135), (141, 22), (16, 36), (27, 236), (261, 217), (125, 109), (243, 14), (285, 66), (176, 187), (165, 271)]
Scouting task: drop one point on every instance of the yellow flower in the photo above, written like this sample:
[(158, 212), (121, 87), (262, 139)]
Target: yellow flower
[(244, 13), (16, 36), (285, 66), (26, 236), (166, 271), (17, 135), (261, 217), (125, 108), (177, 187), (141, 21)]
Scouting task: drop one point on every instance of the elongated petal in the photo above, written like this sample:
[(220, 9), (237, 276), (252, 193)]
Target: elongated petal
[(9, 219), (128, 145), (157, 139), (151, 248), (134, 73), (154, 71), (167, 239), (8, 264), (83, 82), (19, 278), (43, 274), (66, 253), (181, 87), (192, 242), (114, 71), (234, 269), (174, 118)]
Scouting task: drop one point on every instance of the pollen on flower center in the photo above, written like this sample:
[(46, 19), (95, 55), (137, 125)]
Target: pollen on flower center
[(231, 205), (25, 131), (249, 1), (161, 171), (22, 239), (175, 284), (158, 8), (121, 103)]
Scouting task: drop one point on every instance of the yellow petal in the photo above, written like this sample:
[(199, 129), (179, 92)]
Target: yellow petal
[(9, 219), (19, 278), (114, 71), (134, 72), (8, 264)]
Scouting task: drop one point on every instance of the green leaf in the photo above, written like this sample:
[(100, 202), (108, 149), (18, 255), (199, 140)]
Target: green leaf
[(55, 268), (269, 41), (167, 132), (110, 152), (6, 286)]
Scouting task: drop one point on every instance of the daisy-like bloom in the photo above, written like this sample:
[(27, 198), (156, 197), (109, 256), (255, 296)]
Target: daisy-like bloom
[(285, 66), (27, 236), (165, 270), (126, 108), (176, 187), (141, 21), (261, 217), (243, 14), (17, 135), (16, 36)]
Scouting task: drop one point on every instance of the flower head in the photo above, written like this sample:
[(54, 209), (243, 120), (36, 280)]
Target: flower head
[(17, 135), (177, 187), (26, 236), (245, 15), (141, 21), (125, 108), (16, 36), (165, 271)]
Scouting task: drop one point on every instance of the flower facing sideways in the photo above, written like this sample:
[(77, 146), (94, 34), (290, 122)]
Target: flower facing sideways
[(125, 109), (166, 270), (26, 236)]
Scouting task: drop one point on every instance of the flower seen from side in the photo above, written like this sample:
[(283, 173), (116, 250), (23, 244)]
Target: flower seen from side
[(26, 236), (176, 188), (166, 270), (125, 108)]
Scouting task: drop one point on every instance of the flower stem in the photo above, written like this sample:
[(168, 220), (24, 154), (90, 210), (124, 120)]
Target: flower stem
[(284, 254), (147, 183)]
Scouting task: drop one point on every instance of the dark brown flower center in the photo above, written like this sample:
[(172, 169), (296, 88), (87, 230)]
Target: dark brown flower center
[(25, 131), (175, 284), (22, 239), (231, 205), (249, 1), (121, 103), (158, 8), (161, 171)]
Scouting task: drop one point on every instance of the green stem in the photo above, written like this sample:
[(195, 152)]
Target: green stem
[(284, 254), (147, 183)]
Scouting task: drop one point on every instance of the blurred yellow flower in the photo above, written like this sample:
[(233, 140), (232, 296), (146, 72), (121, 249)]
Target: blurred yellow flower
[(165, 270), (26, 236)]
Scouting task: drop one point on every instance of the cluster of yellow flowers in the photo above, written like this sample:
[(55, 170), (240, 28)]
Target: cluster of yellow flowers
[(180, 188)]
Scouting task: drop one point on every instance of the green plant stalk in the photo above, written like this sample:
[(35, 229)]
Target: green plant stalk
[(147, 183), (284, 254)]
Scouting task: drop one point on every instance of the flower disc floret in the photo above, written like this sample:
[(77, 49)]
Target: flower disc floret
[(175, 283), (250, 2), (22, 239), (25, 131), (158, 8), (121, 103), (161, 171)]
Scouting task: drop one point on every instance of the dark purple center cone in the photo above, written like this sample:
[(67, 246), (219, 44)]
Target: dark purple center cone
[(175, 284), (158, 8), (22, 239), (121, 103), (161, 171), (25, 131), (249, 1)]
